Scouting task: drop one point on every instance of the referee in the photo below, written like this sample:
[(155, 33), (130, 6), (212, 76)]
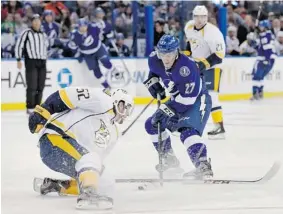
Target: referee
[(32, 45)]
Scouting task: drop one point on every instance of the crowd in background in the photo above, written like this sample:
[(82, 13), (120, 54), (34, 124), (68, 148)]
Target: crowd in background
[(169, 17)]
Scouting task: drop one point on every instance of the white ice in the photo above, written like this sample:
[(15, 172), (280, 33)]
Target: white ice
[(254, 141)]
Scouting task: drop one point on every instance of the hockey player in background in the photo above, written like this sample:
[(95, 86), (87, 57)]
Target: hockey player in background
[(265, 59), (205, 43), (186, 112), (86, 43), (76, 140), (103, 25), (51, 28)]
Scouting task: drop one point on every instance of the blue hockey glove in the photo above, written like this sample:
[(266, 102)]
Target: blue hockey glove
[(38, 119), (154, 87), (166, 117)]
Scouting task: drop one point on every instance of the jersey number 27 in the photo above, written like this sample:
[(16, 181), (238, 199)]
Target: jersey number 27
[(189, 87)]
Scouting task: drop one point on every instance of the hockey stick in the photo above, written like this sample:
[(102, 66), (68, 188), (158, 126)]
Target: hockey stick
[(269, 175), (125, 131), (258, 13), (160, 146)]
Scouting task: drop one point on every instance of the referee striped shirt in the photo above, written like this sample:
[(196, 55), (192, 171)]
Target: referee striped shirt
[(32, 45)]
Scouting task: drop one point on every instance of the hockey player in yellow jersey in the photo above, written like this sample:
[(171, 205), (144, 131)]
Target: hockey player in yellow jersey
[(205, 43), (78, 128)]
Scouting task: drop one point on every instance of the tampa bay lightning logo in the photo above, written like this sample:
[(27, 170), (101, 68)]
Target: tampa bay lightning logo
[(184, 71), (88, 41)]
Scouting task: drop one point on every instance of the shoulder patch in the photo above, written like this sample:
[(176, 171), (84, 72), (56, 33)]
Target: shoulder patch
[(184, 71), (153, 53)]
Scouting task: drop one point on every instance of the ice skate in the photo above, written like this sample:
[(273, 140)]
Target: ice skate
[(203, 171), (218, 133), (256, 96), (260, 95), (49, 185), (90, 200), (170, 164)]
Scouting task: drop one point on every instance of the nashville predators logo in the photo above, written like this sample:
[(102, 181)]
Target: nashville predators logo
[(102, 135)]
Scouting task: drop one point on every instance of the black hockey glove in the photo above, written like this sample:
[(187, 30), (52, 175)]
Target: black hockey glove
[(155, 88)]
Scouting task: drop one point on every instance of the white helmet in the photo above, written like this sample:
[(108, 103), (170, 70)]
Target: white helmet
[(200, 15), (200, 10), (123, 102)]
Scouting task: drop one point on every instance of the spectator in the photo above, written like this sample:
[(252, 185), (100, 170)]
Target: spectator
[(243, 30), (234, 16), (66, 24), (232, 41), (279, 43), (20, 26), (28, 14), (8, 26), (123, 50), (57, 7), (12, 7), (120, 26), (120, 11), (276, 27), (129, 20), (172, 10), (247, 47), (158, 31)]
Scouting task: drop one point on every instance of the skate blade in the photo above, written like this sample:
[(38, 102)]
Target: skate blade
[(216, 137), (98, 205)]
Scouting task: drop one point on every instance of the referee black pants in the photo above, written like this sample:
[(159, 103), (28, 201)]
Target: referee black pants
[(35, 77)]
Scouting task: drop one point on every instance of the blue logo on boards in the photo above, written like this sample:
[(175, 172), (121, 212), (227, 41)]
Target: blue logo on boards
[(64, 78)]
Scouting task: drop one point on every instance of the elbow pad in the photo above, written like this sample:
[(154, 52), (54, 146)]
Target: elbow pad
[(54, 104)]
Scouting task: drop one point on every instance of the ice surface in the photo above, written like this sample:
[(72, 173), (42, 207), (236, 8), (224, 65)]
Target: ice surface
[(254, 140)]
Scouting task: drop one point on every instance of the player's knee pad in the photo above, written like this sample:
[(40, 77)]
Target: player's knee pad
[(189, 137), (105, 61), (91, 161)]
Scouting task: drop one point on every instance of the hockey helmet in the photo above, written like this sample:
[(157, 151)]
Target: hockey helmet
[(200, 15), (123, 102), (82, 22), (167, 44), (264, 24), (200, 10)]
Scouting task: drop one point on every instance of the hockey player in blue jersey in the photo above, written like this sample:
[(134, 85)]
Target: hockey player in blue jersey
[(265, 60), (86, 41), (51, 28), (186, 112), (105, 27)]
